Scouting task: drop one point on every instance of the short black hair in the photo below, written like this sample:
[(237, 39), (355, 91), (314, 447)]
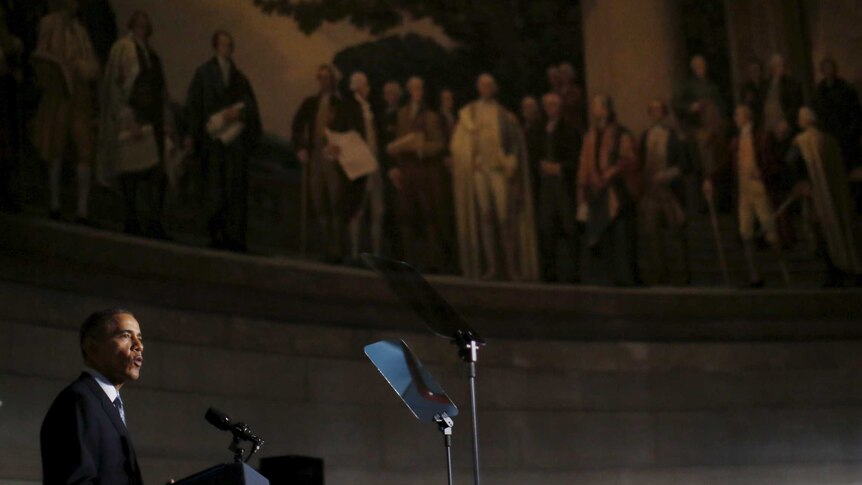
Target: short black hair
[(98, 320)]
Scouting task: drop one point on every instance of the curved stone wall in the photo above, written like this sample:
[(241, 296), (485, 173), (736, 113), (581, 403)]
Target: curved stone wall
[(565, 397)]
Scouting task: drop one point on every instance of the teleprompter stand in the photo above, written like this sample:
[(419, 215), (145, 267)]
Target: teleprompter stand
[(445, 423), (416, 387), (442, 319)]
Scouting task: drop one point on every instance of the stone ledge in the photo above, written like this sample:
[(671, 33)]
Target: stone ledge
[(112, 265)]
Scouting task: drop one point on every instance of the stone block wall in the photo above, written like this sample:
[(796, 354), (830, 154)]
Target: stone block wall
[(552, 411)]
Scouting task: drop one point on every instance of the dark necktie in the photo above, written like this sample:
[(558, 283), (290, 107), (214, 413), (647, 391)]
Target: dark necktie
[(118, 403)]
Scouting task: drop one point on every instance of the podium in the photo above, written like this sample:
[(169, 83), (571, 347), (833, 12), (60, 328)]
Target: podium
[(232, 474), (292, 470)]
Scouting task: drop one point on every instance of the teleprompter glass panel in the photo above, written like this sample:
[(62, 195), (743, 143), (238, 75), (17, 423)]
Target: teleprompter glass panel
[(410, 380), (420, 296)]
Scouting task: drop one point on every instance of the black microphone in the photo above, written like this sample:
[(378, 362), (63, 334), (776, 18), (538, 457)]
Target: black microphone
[(240, 430), (218, 419)]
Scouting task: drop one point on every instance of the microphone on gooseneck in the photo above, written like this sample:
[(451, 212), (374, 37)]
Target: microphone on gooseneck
[(218, 419), (240, 430)]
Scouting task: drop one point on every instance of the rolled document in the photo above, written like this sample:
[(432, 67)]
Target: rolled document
[(219, 129)]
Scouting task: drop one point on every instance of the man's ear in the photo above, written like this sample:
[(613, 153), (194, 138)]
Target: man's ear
[(87, 347)]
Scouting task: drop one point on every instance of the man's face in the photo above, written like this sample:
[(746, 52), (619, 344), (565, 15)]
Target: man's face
[(552, 107), (141, 28), (363, 90), (529, 109), (224, 46), (553, 74), (417, 91), (487, 88), (776, 67), (741, 117), (325, 80), (754, 72), (117, 350), (599, 111), (392, 94), (567, 74), (447, 100), (828, 70), (656, 112), (698, 67)]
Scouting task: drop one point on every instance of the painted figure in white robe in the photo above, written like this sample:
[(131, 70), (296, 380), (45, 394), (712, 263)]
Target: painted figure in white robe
[(492, 191), (820, 174)]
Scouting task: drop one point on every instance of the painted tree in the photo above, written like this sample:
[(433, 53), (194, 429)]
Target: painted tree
[(513, 39)]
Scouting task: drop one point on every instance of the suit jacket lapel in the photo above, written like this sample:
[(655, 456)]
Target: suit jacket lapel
[(107, 405), (116, 420)]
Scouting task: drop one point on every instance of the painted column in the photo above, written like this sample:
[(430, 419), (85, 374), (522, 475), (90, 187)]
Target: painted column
[(633, 52)]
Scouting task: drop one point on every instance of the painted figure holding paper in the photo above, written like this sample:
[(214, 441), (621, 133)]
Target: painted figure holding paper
[(133, 126), (225, 127), (325, 182), (371, 203), (220, 99), (416, 174)]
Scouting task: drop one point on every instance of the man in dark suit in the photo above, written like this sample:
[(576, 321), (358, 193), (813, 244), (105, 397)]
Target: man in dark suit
[(333, 196), (84, 437), (11, 71), (416, 172), (757, 174), (839, 111), (661, 205), (220, 96), (781, 102), (392, 97), (99, 19), (556, 151)]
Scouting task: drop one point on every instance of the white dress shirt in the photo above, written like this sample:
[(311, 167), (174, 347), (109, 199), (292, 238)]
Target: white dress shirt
[(110, 390), (224, 65)]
